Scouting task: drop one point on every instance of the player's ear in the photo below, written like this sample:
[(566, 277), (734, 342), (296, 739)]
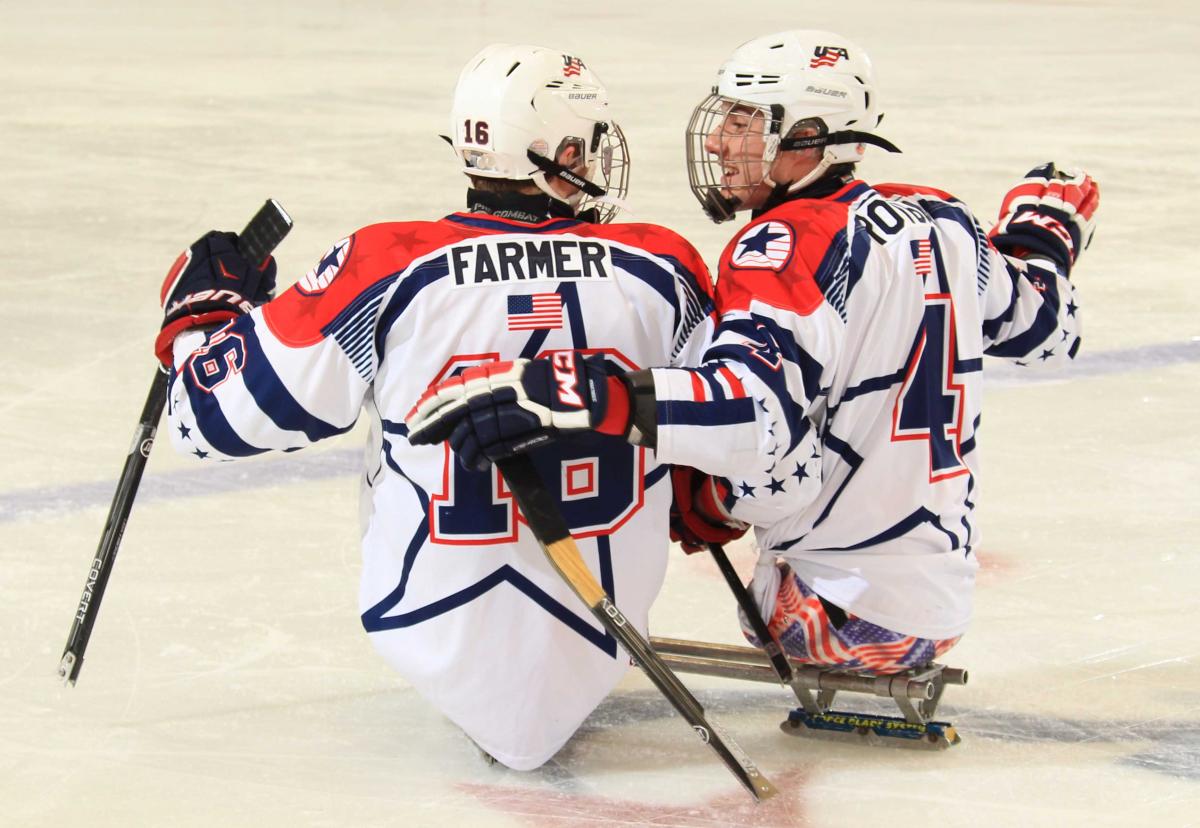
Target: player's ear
[(803, 130), (569, 156)]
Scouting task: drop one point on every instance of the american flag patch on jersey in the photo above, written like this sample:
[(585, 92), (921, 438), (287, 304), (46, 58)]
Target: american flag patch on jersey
[(764, 245), (922, 257), (571, 66), (535, 312)]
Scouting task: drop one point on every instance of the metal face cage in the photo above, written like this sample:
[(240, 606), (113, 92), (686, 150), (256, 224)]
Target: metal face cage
[(609, 168), (730, 146)]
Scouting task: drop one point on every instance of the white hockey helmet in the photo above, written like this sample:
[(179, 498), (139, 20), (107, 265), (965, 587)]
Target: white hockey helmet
[(788, 82), (517, 107)]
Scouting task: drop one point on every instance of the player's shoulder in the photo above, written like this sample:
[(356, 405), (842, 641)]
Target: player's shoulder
[(653, 239), (650, 237), (781, 256), (348, 273), (896, 189), (799, 230), (400, 239)]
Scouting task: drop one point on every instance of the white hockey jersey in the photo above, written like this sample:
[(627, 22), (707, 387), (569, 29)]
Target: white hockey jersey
[(842, 394), (455, 592)]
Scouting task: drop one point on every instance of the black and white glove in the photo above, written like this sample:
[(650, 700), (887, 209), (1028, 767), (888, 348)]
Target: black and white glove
[(499, 409), (211, 282), (1050, 213)]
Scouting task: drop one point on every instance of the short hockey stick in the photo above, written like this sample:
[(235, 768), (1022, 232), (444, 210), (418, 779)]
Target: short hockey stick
[(264, 232), (770, 644), (550, 529)]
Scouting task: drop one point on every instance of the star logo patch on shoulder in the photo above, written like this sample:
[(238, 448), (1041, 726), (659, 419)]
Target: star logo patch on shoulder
[(767, 245), (325, 271)]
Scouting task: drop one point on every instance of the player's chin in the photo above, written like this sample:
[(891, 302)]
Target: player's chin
[(733, 186)]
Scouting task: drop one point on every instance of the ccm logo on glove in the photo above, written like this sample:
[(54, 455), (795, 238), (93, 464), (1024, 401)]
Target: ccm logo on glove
[(567, 379)]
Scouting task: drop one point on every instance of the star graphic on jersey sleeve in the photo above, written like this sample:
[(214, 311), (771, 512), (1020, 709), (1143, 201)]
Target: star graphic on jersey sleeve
[(331, 258), (201, 453), (801, 471), (747, 490), (776, 486), (184, 432), (759, 241)]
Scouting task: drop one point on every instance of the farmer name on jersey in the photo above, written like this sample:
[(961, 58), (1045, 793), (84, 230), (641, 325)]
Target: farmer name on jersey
[(490, 261)]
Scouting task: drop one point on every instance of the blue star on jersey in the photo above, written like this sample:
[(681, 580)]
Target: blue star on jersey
[(322, 275), (764, 245)]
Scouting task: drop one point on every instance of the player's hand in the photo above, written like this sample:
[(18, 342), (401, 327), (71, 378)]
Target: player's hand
[(1051, 212), (499, 409), (210, 282), (699, 515)]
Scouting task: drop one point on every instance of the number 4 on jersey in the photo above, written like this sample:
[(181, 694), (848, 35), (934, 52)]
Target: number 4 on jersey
[(929, 406)]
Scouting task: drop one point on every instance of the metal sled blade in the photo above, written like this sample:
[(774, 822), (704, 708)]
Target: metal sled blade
[(875, 731)]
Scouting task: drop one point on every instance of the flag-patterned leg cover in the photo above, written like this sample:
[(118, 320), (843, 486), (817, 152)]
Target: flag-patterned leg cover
[(804, 628)]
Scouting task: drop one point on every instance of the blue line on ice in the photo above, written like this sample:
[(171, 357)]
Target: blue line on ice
[(301, 467)]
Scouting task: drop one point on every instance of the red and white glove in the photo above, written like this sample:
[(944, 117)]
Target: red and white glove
[(699, 515), (1052, 212)]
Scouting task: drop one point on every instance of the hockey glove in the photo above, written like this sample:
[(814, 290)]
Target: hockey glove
[(1051, 213), (211, 282), (699, 515), (499, 409)]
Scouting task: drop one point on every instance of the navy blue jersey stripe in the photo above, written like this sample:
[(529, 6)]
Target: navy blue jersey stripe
[(1023, 344), (870, 386), (377, 618), (658, 474), (853, 193), (654, 275), (570, 294), (832, 274), (212, 422), (686, 412), (897, 530), (776, 341), (354, 309), (275, 400), (860, 249), (410, 285)]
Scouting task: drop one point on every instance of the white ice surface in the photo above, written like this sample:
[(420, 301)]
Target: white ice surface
[(228, 680)]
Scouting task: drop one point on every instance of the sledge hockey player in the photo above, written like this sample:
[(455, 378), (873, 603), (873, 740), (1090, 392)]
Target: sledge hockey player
[(455, 592), (837, 406)]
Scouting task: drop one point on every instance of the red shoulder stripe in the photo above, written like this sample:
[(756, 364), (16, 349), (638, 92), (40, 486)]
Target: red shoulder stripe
[(911, 189), (376, 252)]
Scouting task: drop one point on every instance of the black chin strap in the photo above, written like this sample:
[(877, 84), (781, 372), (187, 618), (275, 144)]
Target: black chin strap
[(845, 136), (559, 171), (834, 179), (719, 207)]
